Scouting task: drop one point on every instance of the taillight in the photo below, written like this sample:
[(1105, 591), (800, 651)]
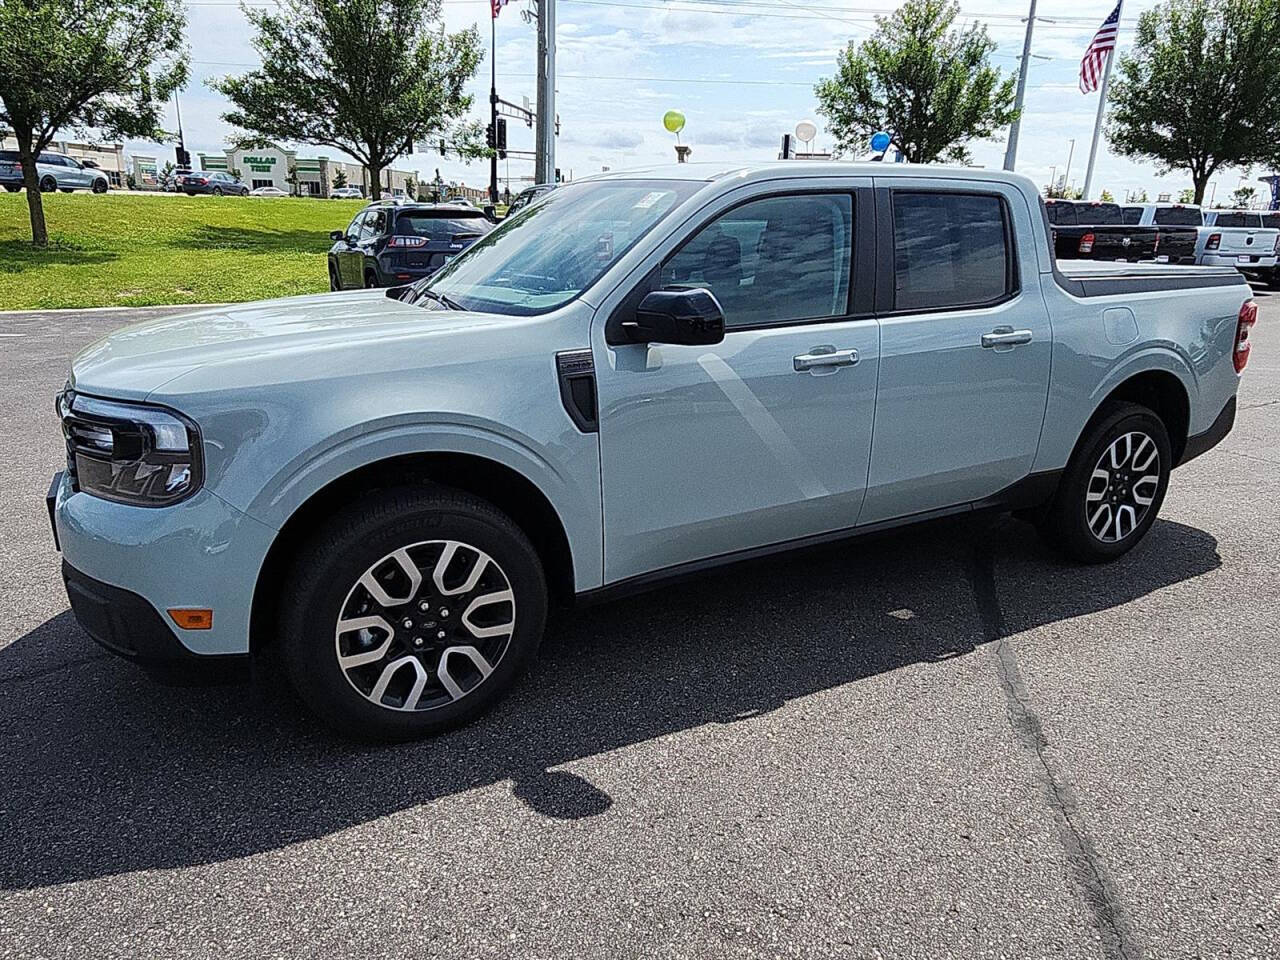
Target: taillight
[(407, 242), (1156, 248), (1277, 249), (1086, 243), (1215, 240), (1248, 317)]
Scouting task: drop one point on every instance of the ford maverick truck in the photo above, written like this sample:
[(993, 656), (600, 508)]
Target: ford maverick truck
[(637, 376)]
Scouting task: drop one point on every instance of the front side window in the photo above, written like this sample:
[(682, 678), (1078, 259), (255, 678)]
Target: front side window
[(774, 260), (548, 253), (950, 250)]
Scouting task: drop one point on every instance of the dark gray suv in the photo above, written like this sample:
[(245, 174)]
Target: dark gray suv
[(390, 243)]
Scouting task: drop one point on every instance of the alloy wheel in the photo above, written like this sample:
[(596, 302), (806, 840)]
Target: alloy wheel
[(425, 625), (1122, 487)]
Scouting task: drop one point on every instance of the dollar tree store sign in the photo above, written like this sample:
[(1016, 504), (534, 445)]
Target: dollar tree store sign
[(260, 164)]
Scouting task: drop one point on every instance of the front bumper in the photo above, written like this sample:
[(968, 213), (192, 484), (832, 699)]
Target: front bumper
[(201, 553)]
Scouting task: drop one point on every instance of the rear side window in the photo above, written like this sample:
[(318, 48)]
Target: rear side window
[(1062, 214), (770, 261), (1132, 216), (1237, 220), (950, 250), (1179, 217)]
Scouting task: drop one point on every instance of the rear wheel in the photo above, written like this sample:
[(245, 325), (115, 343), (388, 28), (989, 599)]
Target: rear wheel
[(412, 613), (65, 189), (217, 191), (12, 189), (1113, 487), (370, 279)]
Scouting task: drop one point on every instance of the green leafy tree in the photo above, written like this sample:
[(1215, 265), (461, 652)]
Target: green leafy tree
[(1242, 197), (929, 86), (1107, 197), (1187, 196), (1198, 91), (107, 66), (367, 77), (410, 182), (340, 179)]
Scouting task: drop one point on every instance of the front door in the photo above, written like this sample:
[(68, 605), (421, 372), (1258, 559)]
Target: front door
[(764, 438), (965, 343), (351, 256)]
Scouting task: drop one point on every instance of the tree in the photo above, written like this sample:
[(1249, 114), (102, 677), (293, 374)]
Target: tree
[(931, 88), (1187, 196), (1107, 197), (1198, 90), (340, 179), (367, 77), (107, 66), (1242, 197), (409, 183)]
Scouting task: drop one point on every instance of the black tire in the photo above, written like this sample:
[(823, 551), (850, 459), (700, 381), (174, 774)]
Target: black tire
[(12, 189), (335, 281), (370, 279), (190, 193), (1084, 503), (99, 186), (217, 191), (324, 587), (48, 185), (65, 189)]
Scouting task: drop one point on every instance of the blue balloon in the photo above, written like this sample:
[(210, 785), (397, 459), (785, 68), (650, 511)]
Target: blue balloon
[(880, 142)]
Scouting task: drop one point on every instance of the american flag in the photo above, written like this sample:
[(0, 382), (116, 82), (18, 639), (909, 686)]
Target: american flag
[(1103, 46), (497, 5)]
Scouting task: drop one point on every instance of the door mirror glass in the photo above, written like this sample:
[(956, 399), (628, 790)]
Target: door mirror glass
[(688, 317), (336, 235)]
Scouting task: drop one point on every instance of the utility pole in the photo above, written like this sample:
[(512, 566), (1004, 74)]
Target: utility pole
[(544, 164), (493, 103), (1067, 173), (1011, 151)]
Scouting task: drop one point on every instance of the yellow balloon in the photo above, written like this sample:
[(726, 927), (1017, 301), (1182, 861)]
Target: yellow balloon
[(673, 120)]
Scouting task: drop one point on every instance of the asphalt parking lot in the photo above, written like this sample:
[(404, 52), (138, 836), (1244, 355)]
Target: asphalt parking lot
[(946, 743)]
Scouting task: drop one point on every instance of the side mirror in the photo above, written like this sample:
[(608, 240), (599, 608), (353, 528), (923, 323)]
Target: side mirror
[(337, 235), (687, 317)]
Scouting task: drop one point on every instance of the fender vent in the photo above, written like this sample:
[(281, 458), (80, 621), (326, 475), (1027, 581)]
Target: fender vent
[(577, 374)]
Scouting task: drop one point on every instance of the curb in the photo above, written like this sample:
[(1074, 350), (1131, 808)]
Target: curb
[(18, 314)]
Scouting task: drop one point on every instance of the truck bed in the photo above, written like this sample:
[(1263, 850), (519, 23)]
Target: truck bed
[(1096, 278)]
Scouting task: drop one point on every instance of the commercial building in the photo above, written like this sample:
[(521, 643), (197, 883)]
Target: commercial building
[(274, 166), (107, 157), (145, 171)]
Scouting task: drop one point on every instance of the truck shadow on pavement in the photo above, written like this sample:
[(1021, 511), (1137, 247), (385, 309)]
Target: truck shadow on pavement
[(105, 772)]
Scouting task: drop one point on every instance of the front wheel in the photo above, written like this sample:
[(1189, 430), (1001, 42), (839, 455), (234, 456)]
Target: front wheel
[(411, 613), (99, 186), (1113, 486), (48, 185)]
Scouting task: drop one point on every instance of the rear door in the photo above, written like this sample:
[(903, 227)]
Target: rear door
[(965, 343)]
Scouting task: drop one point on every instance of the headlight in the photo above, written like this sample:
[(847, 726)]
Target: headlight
[(130, 452)]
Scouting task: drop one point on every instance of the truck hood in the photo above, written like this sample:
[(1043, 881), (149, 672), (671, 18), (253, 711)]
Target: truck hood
[(138, 359)]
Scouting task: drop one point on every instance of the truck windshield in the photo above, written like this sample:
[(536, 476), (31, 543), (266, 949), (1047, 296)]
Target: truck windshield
[(1179, 217), (546, 254)]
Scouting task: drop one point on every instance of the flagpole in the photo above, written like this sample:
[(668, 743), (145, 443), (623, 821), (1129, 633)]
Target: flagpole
[(1097, 123)]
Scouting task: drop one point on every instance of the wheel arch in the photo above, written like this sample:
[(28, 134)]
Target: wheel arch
[(506, 488), (1162, 392)]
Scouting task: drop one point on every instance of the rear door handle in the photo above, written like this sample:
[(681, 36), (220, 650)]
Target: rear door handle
[(825, 357), (1005, 337)]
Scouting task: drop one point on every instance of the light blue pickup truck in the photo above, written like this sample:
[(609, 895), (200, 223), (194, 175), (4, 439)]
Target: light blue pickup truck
[(638, 376)]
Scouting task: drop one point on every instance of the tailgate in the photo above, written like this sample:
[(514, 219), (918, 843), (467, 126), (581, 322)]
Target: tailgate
[(1247, 241), (1123, 243)]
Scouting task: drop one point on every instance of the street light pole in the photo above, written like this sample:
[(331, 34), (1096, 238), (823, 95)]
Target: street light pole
[(1071, 153), (544, 163), (493, 105), (1011, 151)]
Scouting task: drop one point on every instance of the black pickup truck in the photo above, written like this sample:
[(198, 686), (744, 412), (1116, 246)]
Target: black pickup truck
[(1179, 225), (1097, 231)]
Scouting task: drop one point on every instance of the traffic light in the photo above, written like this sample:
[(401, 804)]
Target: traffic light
[(489, 139), (559, 179), (183, 158), (500, 141)]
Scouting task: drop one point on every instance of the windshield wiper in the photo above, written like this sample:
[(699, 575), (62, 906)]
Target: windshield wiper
[(439, 298)]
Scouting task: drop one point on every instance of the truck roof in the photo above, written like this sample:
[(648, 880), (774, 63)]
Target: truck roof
[(710, 171)]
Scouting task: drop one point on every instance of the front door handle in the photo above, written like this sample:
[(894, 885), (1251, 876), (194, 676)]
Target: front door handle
[(1006, 337), (825, 357)]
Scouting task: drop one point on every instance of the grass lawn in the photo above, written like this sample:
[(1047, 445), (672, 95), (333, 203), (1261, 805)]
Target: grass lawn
[(137, 250)]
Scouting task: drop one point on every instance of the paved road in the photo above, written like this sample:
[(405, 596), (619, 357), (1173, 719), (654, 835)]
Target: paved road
[(941, 744)]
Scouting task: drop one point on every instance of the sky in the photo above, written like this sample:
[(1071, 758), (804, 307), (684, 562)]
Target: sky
[(742, 72)]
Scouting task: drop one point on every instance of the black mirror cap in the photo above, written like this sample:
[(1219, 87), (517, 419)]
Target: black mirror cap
[(336, 235), (690, 317)]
